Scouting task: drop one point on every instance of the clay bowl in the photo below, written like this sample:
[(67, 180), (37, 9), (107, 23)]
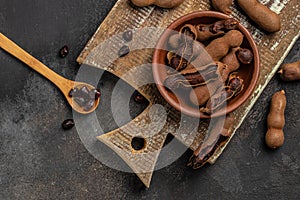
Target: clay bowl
[(249, 73)]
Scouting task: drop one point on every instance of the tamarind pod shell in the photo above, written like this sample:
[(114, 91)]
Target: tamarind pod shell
[(179, 65), (228, 125), (191, 69), (191, 29), (205, 35), (234, 86), (203, 153), (218, 100)]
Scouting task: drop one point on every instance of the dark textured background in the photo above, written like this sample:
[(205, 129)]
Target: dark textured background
[(38, 160)]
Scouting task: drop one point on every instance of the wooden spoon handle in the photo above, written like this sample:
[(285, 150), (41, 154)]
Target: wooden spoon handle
[(13, 49)]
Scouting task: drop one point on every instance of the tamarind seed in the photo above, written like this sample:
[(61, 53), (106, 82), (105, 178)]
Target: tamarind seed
[(235, 83), (175, 61), (94, 94), (68, 124), (80, 101), (97, 94), (124, 50), (245, 56), (71, 93), (64, 51), (127, 35), (138, 98), (89, 105), (84, 91)]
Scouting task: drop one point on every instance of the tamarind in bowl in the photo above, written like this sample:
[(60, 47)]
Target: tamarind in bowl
[(248, 72)]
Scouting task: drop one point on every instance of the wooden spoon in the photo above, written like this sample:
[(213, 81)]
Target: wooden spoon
[(65, 85)]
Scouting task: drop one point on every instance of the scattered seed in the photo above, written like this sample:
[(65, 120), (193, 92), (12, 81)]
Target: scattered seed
[(127, 36), (97, 94), (124, 50), (64, 51), (138, 98), (68, 124)]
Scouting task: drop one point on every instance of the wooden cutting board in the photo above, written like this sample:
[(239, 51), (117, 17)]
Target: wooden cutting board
[(273, 48)]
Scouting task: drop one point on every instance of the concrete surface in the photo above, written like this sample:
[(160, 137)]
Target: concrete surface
[(38, 160)]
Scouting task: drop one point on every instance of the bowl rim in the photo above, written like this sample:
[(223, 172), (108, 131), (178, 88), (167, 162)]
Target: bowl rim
[(163, 90)]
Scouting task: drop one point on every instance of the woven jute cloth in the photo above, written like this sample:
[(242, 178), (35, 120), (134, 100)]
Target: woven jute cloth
[(151, 21)]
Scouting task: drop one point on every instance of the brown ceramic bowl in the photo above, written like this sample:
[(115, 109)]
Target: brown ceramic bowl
[(249, 73)]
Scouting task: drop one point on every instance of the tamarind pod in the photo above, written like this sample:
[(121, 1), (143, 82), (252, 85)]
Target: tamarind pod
[(274, 138), (200, 95), (222, 6), (261, 15), (219, 133), (168, 3), (290, 71), (210, 31), (160, 3), (220, 47), (275, 135)]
